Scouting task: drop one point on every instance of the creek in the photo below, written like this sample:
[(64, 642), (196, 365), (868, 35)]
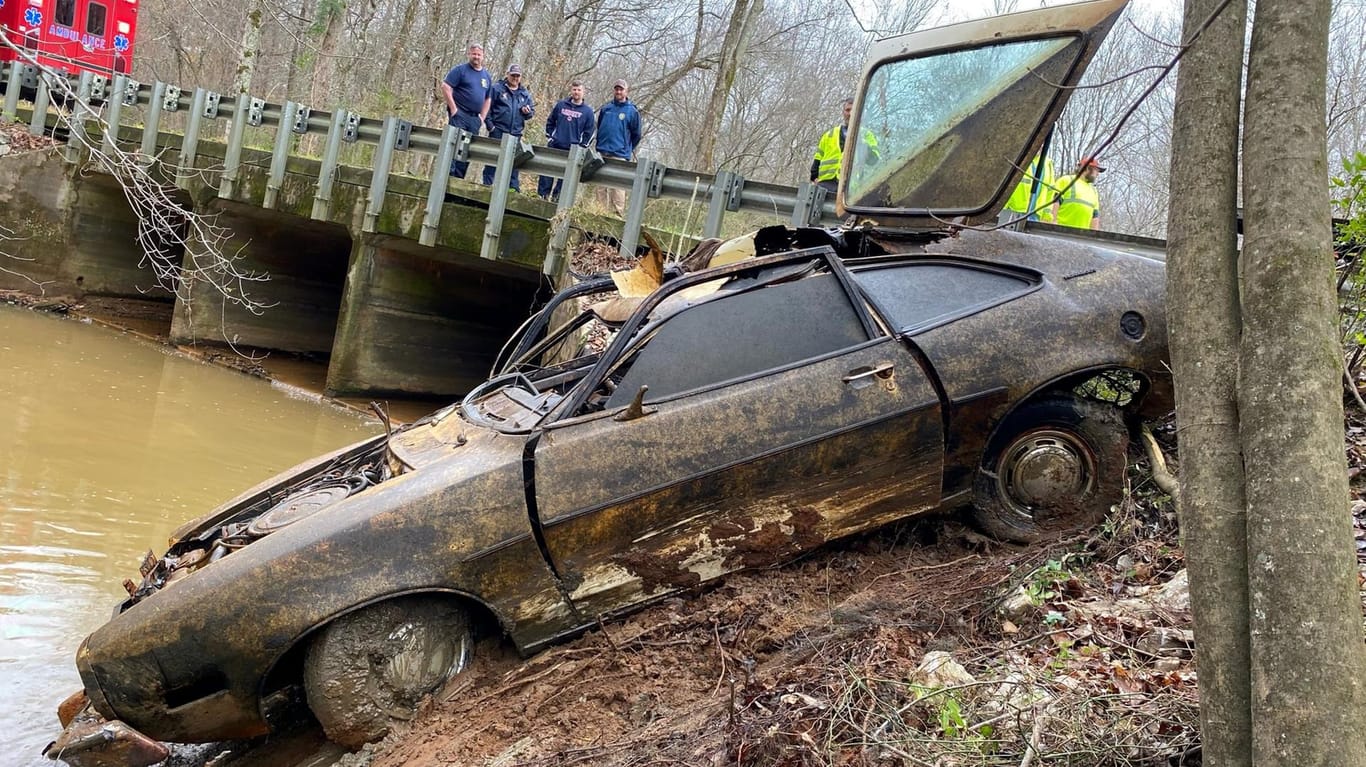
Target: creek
[(107, 444)]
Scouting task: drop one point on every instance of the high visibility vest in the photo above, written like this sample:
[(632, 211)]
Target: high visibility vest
[(1078, 205), (1043, 203), (830, 153)]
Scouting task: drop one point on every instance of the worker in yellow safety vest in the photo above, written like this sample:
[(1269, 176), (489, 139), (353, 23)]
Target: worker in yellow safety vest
[(1078, 201), (1038, 204), (825, 168)]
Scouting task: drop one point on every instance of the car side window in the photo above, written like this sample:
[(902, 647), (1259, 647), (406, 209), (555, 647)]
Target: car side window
[(917, 296), (735, 336)]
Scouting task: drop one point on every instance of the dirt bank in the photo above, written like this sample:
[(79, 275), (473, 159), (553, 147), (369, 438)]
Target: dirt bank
[(816, 663)]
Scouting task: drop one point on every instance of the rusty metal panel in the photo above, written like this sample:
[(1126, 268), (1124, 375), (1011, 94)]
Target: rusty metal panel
[(745, 475), (1074, 323), (458, 524)]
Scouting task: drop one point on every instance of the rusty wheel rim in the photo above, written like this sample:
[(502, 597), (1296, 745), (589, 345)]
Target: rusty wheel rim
[(1046, 470)]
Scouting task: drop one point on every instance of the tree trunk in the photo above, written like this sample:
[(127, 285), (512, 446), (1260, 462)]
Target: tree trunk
[(250, 49), (1203, 312), (401, 48), (743, 18), (301, 64), (529, 8), (1308, 661), (327, 28)]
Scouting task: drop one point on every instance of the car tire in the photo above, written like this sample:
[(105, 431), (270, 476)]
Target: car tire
[(371, 667), (1054, 465)]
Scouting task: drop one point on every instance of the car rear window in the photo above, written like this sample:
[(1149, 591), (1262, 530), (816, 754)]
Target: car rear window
[(916, 296)]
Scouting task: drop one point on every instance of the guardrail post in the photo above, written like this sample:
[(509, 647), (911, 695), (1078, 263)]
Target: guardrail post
[(649, 175), (327, 171), (725, 195), (76, 142), (806, 211), (232, 160), (498, 198), (151, 124), (559, 234), (109, 143), (200, 109), (379, 178), (436, 194), (280, 156), (38, 125), (12, 90)]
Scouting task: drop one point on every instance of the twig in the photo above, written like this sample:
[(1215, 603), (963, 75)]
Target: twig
[(607, 636), (1161, 474), (1352, 387), (1032, 748), (716, 632), (514, 685)]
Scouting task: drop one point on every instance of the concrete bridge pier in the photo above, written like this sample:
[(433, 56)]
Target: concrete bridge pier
[(418, 320), (305, 266), (64, 232)]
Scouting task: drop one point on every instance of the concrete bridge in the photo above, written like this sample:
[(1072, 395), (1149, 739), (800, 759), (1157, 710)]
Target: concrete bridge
[(407, 285)]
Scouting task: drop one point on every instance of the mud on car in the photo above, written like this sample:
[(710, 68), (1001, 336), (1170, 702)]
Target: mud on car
[(644, 433)]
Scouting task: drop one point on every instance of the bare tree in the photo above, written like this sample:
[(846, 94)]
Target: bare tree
[(180, 246), (744, 17)]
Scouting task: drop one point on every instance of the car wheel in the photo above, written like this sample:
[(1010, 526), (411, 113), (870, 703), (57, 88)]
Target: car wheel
[(371, 667), (1054, 465)]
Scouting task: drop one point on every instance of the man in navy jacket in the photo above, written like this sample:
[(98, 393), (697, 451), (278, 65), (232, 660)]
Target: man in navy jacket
[(618, 136), (512, 107), (467, 89), (570, 122)]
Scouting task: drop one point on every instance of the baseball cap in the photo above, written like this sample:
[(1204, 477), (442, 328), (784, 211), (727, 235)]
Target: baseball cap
[(619, 84), (1092, 162), (514, 69)]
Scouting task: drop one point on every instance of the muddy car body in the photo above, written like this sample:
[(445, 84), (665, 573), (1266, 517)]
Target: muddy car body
[(781, 391)]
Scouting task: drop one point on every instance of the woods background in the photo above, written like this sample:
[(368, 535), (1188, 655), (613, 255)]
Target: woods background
[(744, 85)]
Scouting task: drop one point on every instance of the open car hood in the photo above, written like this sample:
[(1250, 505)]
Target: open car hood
[(946, 118)]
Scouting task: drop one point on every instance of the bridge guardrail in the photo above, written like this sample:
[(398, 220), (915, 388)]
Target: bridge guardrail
[(646, 178)]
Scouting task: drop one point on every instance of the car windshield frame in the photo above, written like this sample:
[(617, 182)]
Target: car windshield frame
[(954, 119), (980, 143)]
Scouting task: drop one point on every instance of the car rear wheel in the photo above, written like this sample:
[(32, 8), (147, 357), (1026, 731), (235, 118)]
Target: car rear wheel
[(372, 666), (1054, 465)]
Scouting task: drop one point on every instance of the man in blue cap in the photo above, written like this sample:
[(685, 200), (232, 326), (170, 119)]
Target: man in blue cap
[(618, 136)]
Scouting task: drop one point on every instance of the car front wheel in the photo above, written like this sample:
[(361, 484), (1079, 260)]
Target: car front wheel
[(371, 667), (1054, 465)]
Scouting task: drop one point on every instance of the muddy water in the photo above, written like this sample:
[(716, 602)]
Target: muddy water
[(107, 443)]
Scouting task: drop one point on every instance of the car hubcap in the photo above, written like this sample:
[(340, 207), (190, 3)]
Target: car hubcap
[(1046, 469), (419, 657)]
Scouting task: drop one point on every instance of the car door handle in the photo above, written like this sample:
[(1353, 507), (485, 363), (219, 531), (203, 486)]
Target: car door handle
[(881, 371)]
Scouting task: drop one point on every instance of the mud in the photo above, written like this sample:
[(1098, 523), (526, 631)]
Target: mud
[(741, 673)]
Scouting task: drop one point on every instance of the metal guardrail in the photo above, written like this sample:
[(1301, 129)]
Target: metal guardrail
[(803, 205)]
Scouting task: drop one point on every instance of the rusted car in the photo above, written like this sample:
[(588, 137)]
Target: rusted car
[(752, 402)]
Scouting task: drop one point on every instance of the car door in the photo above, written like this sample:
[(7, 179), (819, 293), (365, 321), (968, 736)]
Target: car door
[(774, 421)]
